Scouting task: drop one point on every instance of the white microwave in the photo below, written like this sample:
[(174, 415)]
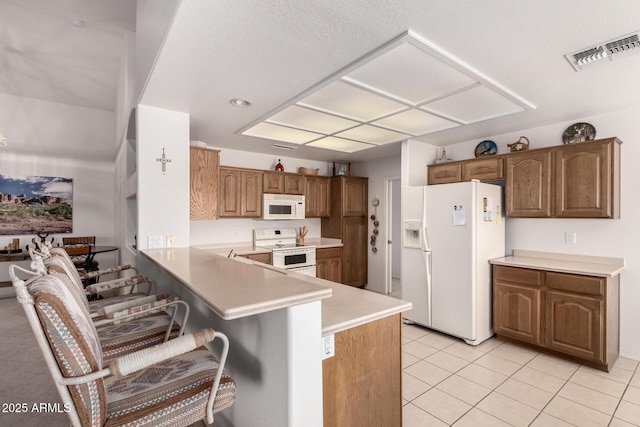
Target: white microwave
[(282, 206)]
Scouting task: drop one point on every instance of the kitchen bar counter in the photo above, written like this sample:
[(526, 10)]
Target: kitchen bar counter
[(563, 263), (234, 291), (228, 289)]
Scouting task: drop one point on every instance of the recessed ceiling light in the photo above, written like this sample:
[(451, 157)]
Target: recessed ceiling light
[(77, 22), (237, 102)]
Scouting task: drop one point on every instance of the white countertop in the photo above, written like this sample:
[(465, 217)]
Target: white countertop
[(231, 289), (240, 287), (564, 263)]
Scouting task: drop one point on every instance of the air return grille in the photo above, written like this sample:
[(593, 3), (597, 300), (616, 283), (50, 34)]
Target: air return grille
[(612, 49)]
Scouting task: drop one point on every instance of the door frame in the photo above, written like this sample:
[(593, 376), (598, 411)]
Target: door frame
[(389, 198)]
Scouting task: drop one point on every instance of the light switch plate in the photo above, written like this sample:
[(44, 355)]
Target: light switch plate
[(328, 346), (156, 242), (171, 240)]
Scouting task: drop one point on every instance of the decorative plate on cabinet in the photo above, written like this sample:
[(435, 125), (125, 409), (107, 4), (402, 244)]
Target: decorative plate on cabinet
[(578, 132), (486, 148)]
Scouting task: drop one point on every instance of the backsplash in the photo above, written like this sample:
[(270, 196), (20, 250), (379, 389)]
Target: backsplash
[(234, 230)]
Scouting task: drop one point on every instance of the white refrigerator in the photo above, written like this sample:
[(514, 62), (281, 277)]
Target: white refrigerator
[(450, 232)]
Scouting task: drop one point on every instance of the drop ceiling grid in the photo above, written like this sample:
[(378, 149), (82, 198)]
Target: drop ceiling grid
[(408, 88)]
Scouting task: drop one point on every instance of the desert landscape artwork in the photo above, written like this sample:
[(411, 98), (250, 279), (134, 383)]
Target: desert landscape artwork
[(35, 204)]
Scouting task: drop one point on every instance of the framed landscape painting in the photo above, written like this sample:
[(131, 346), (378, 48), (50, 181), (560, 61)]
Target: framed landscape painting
[(36, 204)]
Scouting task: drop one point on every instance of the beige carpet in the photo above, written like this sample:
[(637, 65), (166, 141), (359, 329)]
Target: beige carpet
[(25, 378)]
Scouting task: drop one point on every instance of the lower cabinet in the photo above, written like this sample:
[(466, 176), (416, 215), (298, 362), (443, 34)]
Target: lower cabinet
[(362, 383), (264, 258), (568, 314), (329, 264)]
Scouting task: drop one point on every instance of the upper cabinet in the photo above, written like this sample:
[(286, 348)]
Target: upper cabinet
[(528, 186), (283, 183), (569, 181), (354, 196), (240, 192), (203, 178), (317, 196)]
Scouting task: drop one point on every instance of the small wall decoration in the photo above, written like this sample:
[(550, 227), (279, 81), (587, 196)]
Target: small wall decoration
[(486, 148), (36, 205), (164, 160), (375, 202), (279, 167), (519, 145)]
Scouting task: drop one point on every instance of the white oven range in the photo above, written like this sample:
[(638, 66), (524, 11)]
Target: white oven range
[(285, 253)]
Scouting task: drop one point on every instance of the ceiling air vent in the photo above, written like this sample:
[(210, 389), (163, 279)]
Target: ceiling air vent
[(612, 49), (283, 147)]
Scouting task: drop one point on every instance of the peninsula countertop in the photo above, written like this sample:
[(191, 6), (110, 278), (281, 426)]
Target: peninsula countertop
[(208, 274), (563, 263), (233, 290)]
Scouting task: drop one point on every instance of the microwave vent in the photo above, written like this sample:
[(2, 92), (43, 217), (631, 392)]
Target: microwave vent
[(619, 47)]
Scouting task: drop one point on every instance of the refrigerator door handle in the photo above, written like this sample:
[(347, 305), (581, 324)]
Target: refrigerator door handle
[(427, 263)]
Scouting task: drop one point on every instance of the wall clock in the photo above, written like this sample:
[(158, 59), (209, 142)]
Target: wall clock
[(486, 148)]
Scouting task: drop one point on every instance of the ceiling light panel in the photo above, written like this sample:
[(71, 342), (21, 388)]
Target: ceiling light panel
[(410, 74), (281, 133), (474, 105), (311, 120), (373, 135), (351, 102), (415, 122), (339, 144)]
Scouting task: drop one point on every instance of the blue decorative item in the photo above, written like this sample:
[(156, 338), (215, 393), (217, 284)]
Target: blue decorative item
[(486, 148)]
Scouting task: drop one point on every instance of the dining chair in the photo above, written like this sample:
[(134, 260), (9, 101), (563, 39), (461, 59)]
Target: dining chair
[(79, 249), (176, 383)]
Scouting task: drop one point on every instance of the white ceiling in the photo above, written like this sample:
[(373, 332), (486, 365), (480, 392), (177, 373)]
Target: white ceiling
[(272, 52)]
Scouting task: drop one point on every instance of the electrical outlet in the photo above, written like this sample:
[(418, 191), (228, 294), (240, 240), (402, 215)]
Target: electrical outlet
[(156, 242), (328, 346), (570, 237), (171, 240)]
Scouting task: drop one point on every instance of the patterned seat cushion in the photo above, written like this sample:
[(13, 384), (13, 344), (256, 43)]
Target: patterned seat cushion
[(94, 306), (73, 341), (130, 336), (174, 392)]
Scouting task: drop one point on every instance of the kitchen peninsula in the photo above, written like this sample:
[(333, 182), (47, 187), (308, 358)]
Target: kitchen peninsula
[(275, 321)]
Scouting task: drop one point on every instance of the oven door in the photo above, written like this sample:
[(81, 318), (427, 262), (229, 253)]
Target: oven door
[(293, 258)]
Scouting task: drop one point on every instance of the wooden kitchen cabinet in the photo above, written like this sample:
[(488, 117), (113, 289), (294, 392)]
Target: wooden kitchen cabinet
[(203, 183), (484, 169), (528, 184), (317, 196), (294, 183), (587, 182), (348, 222), (444, 173), (240, 192), (273, 182), (264, 258), (573, 315), (329, 264)]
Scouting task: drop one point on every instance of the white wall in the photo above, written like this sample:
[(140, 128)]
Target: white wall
[(234, 230), (378, 171), (599, 237), (163, 197), (43, 123)]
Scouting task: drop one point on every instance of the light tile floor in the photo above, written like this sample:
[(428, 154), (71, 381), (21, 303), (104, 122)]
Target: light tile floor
[(447, 382)]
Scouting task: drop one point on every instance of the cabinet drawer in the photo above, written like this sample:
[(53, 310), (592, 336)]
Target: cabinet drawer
[(576, 283), (522, 276), (325, 253)]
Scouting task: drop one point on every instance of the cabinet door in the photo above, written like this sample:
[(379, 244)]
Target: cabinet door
[(273, 182), (203, 180), (528, 186), (583, 181), (354, 196), (354, 251), (323, 199), (251, 194), (489, 169), (516, 312), (329, 269), (311, 197), (293, 184), (229, 192), (575, 325), (444, 173)]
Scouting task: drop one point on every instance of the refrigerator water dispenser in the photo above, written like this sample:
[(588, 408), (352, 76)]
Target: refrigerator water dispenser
[(412, 233)]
